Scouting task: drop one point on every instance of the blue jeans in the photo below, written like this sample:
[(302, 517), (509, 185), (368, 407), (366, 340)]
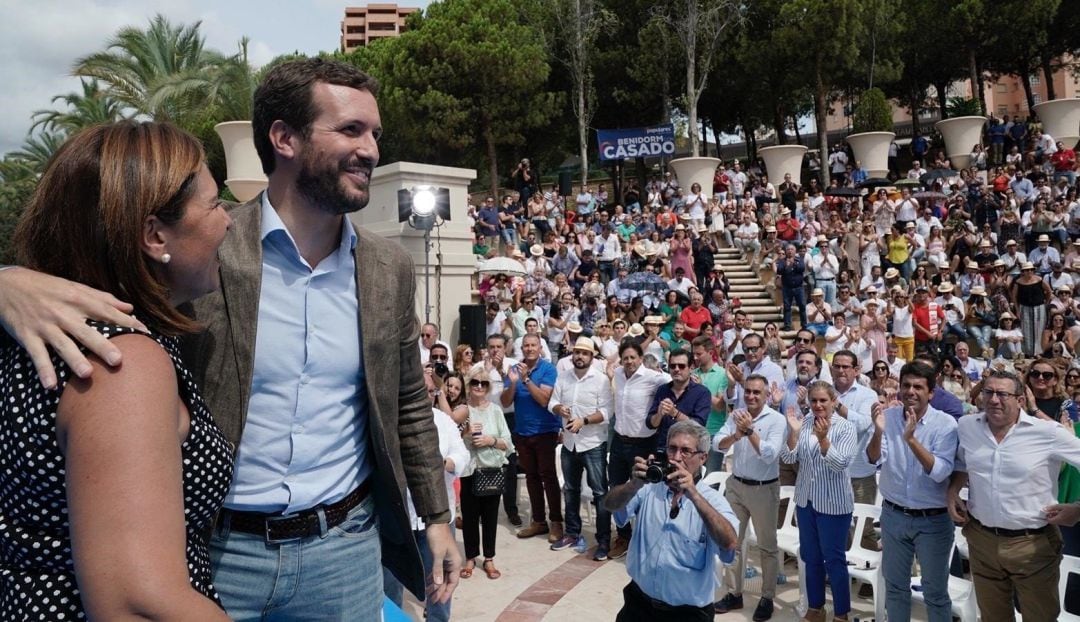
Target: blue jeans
[(794, 296), (982, 335), (956, 328), (822, 544), (333, 576), (509, 235), (828, 287), (395, 591), (931, 539), (593, 464)]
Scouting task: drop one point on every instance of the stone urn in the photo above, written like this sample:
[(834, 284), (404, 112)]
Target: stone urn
[(783, 160), (1061, 120), (690, 170), (961, 134), (872, 151), (244, 175)]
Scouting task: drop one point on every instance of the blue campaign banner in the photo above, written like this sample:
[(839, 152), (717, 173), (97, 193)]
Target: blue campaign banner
[(636, 142)]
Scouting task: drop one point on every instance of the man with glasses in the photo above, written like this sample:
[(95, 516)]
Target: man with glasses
[(794, 391), (756, 363), (429, 336), (755, 436), (859, 405), (635, 386), (915, 443), (528, 309), (678, 400), (582, 398), (805, 340), (1010, 462), (679, 583)]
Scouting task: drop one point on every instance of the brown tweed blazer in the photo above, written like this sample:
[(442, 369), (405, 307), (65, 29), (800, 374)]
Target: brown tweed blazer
[(402, 437)]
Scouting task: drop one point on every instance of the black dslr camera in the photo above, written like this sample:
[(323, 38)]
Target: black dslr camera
[(658, 469)]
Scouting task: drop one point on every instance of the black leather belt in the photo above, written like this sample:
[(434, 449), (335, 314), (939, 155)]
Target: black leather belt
[(1012, 533), (913, 511), (635, 440), (754, 482), (284, 527)]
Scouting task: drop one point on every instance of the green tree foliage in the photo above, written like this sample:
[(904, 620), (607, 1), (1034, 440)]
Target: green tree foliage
[(466, 79), (91, 107), (19, 172), (873, 112)]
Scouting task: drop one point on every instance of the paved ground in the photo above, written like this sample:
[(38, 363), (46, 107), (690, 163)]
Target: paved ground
[(540, 584)]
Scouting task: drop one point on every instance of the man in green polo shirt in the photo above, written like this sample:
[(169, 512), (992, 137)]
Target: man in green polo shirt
[(715, 379)]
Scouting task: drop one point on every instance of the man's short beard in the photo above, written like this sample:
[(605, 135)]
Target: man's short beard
[(322, 187), (805, 377)]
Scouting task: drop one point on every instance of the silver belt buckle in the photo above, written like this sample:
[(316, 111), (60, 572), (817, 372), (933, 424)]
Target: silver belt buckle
[(266, 531)]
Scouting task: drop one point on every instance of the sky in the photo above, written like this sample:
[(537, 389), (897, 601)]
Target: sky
[(41, 39)]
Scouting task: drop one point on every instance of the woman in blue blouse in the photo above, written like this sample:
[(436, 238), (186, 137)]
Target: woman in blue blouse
[(824, 444)]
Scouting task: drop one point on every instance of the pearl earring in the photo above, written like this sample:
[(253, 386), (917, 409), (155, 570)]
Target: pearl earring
[(166, 258)]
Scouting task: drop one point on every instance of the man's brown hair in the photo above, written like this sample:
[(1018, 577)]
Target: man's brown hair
[(86, 218), (286, 95)]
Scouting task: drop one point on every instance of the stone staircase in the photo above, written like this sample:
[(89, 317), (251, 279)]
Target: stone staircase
[(749, 287)]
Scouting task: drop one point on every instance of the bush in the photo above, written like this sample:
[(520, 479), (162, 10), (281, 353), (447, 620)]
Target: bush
[(873, 112)]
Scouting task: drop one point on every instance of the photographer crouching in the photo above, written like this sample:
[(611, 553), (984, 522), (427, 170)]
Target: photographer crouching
[(682, 527)]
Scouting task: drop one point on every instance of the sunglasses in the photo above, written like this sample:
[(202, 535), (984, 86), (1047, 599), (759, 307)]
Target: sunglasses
[(479, 383), (751, 349), (678, 366), (440, 357), (881, 368), (800, 340), (1045, 375)]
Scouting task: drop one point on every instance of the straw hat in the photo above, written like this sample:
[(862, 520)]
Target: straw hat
[(817, 292), (573, 327), (1027, 265), (653, 319), (978, 290), (945, 287), (586, 344), (636, 330), (892, 273), (1010, 243), (1006, 316), (1043, 238), (536, 250), (680, 227)]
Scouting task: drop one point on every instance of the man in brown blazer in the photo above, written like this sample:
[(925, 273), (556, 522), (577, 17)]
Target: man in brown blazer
[(305, 505)]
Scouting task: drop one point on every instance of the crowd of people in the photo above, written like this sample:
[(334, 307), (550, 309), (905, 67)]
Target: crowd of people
[(198, 443), (931, 305)]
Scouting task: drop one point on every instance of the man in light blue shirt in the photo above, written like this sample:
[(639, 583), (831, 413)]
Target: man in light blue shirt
[(916, 446), (683, 527)]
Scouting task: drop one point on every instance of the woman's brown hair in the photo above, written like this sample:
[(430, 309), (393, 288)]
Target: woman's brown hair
[(86, 218)]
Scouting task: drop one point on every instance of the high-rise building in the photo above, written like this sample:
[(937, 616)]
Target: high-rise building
[(363, 24)]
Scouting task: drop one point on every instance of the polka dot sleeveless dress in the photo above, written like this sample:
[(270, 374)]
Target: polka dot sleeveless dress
[(37, 575)]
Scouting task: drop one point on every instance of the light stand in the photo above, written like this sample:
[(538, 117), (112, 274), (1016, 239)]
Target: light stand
[(422, 217)]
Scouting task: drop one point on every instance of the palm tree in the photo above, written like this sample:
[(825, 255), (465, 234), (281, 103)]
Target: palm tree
[(165, 71), (92, 107)]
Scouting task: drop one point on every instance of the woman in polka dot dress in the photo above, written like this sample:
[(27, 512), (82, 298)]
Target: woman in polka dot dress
[(107, 484)]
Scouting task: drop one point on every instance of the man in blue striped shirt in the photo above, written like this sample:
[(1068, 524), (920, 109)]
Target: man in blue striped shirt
[(916, 445)]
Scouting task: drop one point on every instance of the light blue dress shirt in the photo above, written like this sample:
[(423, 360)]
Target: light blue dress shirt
[(903, 480), (771, 428), (860, 401), (674, 559), (305, 440)]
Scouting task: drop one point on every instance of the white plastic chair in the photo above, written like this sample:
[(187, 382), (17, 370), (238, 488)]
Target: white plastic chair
[(961, 591), (864, 564), (717, 478), (1069, 566), (787, 541)]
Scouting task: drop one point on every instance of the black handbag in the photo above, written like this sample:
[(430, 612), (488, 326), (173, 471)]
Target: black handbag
[(488, 482)]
